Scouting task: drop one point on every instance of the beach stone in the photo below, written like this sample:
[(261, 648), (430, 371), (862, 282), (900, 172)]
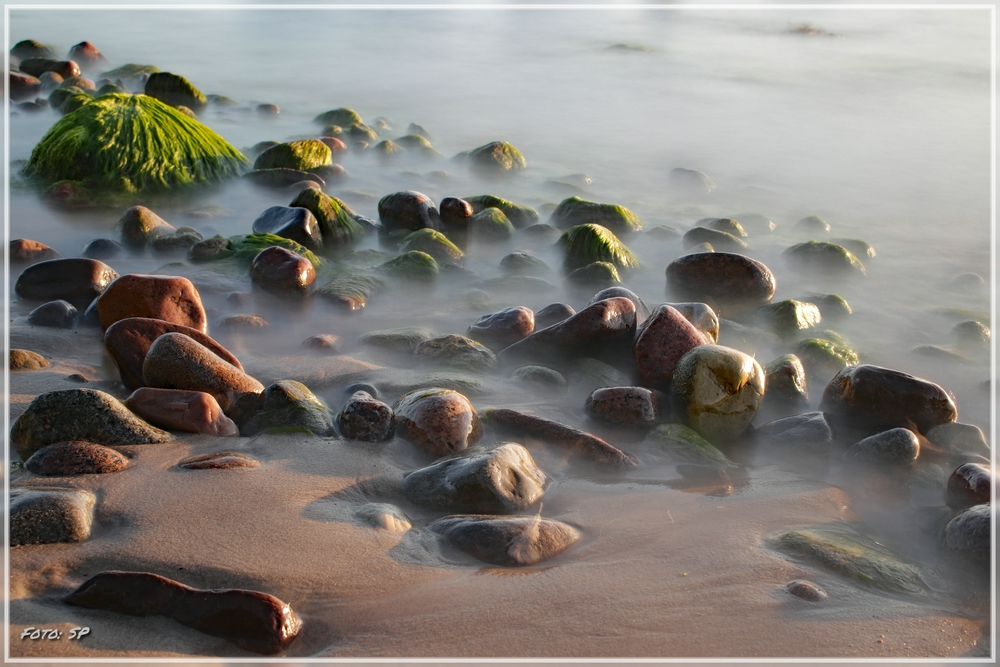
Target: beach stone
[(520, 216), (37, 66), (253, 621), (496, 159), (80, 414), (169, 298), (727, 225), (210, 250), (75, 458), (178, 243), (789, 317), (968, 532), (242, 323), (630, 407), (384, 516), (503, 328), (969, 485), (365, 418), (972, 333), (575, 211), (57, 314), (30, 48), (523, 264), (606, 326), (290, 406), (176, 361), (641, 310), (716, 391), (832, 307), (721, 241), (455, 214), (323, 343), (102, 249), (218, 461), (825, 357), (721, 277), (787, 389), (282, 272), (516, 541), (411, 268), (806, 590), (701, 247), (181, 410), (26, 360), (823, 257), (402, 341), (175, 90), (139, 225), (490, 226), (408, 210), (803, 435), (691, 180), (295, 223), (812, 224), (334, 144), (74, 279), (857, 247), (285, 178), (578, 443), (23, 86), (554, 313), (48, 515), (663, 233), (660, 343), (541, 379), (595, 274), (26, 251), (684, 445), (893, 448), (87, 55), (493, 479), (541, 232), (702, 317), (873, 399), (438, 421), (955, 438), (128, 340)]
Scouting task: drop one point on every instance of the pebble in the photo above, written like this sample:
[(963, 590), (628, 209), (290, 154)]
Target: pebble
[(366, 418), (80, 414), (102, 249), (892, 448), (58, 314), (48, 515), (181, 410), (407, 210), (282, 272), (438, 421), (629, 407), (26, 360), (970, 484), (253, 621), (295, 223), (516, 541), (554, 313), (139, 225), (969, 532), (721, 277), (74, 279), (323, 344), (806, 590), (716, 391), (128, 340), (176, 361), (218, 461), (268, 109), (492, 479), (242, 323), (290, 406), (169, 298), (75, 458), (456, 352), (25, 251), (660, 343), (501, 329), (540, 379)]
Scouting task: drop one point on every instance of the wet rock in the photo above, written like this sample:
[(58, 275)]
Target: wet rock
[(282, 272), (210, 250), (787, 388), (831, 306), (493, 479), (342, 117), (242, 323), (295, 223), (407, 210), (595, 274), (26, 360), (57, 314), (179, 410), (607, 326), (825, 357), (702, 317), (495, 159), (727, 225), (812, 224), (629, 407), (576, 211), (139, 225), (641, 310), (969, 532), (268, 109), (519, 215), (175, 90), (823, 257), (75, 458), (300, 155), (87, 55), (77, 280), (893, 448), (285, 178), (873, 399), (384, 516), (218, 461), (23, 86), (954, 438), (856, 558), (170, 298), (29, 48), (432, 242), (806, 590), (80, 414), (541, 232), (37, 66), (437, 421), (129, 339), (691, 180), (178, 243), (721, 241), (584, 244), (323, 344), (969, 485), (684, 445), (578, 443), (351, 292), (509, 542), (176, 361), (701, 247), (660, 343), (365, 418), (254, 621), (48, 515), (663, 233), (490, 226), (721, 277), (412, 267), (82, 83), (403, 340), (501, 329), (972, 334), (455, 214), (860, 249), (799, 436), (102, 249), (716, 391), (26, 251), (540, 379), (290, 406), (789, 317), (523, 264), (586, 374)]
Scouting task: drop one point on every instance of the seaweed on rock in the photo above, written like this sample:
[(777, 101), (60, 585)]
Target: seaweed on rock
[(589, 243), (245, 248)]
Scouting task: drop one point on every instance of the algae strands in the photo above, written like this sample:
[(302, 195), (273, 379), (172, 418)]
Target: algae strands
[(123, 144)]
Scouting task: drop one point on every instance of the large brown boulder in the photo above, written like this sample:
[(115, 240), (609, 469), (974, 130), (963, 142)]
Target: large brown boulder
[(169, 298)]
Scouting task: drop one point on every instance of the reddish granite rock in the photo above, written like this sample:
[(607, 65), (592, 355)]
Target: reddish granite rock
[(282, 271), (25, 251), (74, 279), (128, 341), (969, 485), (253, 621), (76, 457), (515, 541), (169, 298), (721, 277), (88, 55), (334, 144), (219, 461), (180, 410), (438, 421), (23, 86), (503, 328), (623, 406), (661, 341)]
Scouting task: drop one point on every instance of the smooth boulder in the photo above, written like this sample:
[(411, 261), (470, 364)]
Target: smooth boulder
[(365, 418), (290, 406), (516, 541), (49, 515), (75, 279), (181, 410), (438, 421), (629, 407), (503, 328), (660, 342), (75, 458), (721, 277), (168, 298), (282, 272)]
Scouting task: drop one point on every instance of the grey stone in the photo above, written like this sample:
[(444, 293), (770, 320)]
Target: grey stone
[(456, 352), (365, 418), (509, 542), (895, 447), (46, 515), (57, 314), (289, 406)]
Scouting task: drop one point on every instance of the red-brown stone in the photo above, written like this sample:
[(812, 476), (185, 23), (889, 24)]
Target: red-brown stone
[(169, 298)]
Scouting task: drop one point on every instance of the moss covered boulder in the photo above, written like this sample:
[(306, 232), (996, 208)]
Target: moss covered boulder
[(519, 215), (412, 266), (575, 211), (342, 117), (596, 275), (490, 225), (495, 158), (825, 357), (418, 144), (175, 90), (823, 257), (290, 407), (434, 243), (337, 223), (132, 144), (789, 317), (301, 155), (351, 291), (30, 48), (246, 248), (727, 225), (588, 243)]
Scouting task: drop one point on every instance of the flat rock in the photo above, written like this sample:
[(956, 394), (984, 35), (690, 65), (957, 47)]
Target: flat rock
[(366, 418), (683, 445), (290, 406), (75, 458), (438, 421), (630, 407), (516, 541), (180, 410), (26, 360), (168, 298), (47, 515), (218, 461), (503, 328), (660, 342), (75, 279), (456, 352)]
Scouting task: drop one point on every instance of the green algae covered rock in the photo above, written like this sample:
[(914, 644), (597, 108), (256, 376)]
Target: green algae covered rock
[(823, 257), (495, 158), (352, 291), (130, 73), (434, 243), (175, 90), (210, 250), (575, 211), (336, 220), (789, 317), (825, 357), (30, 48), (301, 155), (342, 117), (74, 102), (128, 144), (490, 225), (60, 95), (245, 248), (686, 446), (853, 557), (519, 215), (584, 244), (417, 144), (388, 148), (290, 406), (411, 266), (362, 132), (595, 275)]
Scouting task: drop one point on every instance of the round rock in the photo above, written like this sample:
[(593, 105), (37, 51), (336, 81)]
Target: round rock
[(75, 279), (457, 352), (660, 343), (26, 360), (629, 407), (181, 410), (282, 271), (721, 277), (515, 541), (503, 328), (75, 458), (168, 298), (969, 485), (895, 447), (437, 421), (57, 314), (365, 418)]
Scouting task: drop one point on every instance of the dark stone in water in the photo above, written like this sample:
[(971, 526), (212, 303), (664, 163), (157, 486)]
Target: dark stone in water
[(290, 406), (723, 241), (48, 515), (282, 272), (457, 352), (969, 485), (219, 461), (23, 86), (407, 210), (295, 223), (455, 214), (787, 390), (75, 279), (721, 277), (892, 448), (789, 317), (365, 418), (523, 264), (969, 532), (75, 458), (623, 406), (541, 379), (553, 314), (25, 251), (102, 249), (438, 421), (253, 621), (369, 389), (503, 328), (58, 314), (280, 177), (641, 310), (806, 590), (509, 542), (806, 434)]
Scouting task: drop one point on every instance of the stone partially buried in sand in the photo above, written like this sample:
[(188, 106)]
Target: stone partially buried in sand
[(26, 360), (168, 298), (80, 414), (290, 406), (75, 279), (438, 421), (47, 515), (218, 461), (365, 418), (516, 541), (180, 410), (75, 458)]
